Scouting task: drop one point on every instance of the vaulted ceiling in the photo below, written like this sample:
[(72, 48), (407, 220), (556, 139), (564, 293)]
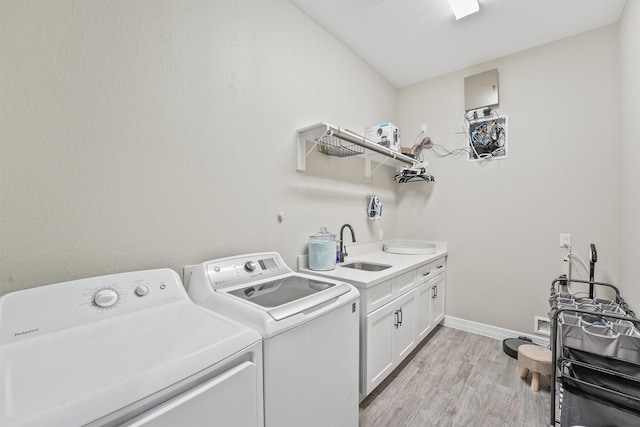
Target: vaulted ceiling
[(408, 41)]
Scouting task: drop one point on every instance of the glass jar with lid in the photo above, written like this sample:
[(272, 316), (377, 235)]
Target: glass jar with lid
[(322, 250)]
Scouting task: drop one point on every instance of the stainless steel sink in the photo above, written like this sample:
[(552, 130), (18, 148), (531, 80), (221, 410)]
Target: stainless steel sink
[(366, 266)]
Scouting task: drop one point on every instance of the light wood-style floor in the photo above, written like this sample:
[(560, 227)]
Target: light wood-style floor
[(457, 378)]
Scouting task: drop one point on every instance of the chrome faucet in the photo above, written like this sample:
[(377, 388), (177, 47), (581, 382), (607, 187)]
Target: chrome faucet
[(343, 249)]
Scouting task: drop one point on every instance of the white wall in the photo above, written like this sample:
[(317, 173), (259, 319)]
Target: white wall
[(629, 39), (162, 133), (503, 218)]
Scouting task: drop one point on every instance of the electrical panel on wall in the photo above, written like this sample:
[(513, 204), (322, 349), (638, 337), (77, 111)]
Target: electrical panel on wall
[(481, 90), (487, 138), (486, 129)]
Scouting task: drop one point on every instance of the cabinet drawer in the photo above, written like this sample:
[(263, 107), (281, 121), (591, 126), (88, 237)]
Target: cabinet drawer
[(379, 295), (386, 292), (429, 270), (404, 283), (438, 266)]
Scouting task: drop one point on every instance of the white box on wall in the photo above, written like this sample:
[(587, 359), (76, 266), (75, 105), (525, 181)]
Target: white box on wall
[(487, 138), (481, 90), (386, 134), (542, 326)]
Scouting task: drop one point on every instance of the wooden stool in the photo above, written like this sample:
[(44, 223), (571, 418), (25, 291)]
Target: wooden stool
[(537, 360)]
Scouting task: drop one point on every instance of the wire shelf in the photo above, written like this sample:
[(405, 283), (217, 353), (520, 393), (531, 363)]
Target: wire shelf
[(337, 142), (333, 146)]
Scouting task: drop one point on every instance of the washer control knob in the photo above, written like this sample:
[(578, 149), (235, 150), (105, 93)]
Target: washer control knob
[(105, 298), (250, 265), (142, 290)]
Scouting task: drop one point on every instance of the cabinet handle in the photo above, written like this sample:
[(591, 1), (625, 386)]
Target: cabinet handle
[(434, 292), (426, 274), (400, 322), (440, 266), (395, 321)]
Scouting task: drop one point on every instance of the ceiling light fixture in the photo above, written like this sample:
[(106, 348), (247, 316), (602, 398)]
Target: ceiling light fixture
[(462, 8)]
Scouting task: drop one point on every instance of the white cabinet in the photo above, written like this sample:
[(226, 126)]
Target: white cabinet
[(405, 326), (390, 337), (376, 349), (424, 294), (437, 299), (397, 315), (430, 297)]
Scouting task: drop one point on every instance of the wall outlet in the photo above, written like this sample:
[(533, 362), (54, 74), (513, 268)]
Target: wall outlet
[(565, 240), (423, 128)]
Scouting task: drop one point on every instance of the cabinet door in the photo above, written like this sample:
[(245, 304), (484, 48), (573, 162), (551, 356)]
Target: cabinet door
[(437, 300), (405, 333), (379, 357), (423, 310)]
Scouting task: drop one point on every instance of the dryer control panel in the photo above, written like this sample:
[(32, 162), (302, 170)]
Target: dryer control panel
[(45, 309)]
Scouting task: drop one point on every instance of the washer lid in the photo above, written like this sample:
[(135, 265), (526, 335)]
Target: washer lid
[(76, 375), (290, 295), (281, 291)]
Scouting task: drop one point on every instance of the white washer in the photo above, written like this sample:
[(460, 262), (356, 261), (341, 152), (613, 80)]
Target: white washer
[(310, 327), (125, 349)]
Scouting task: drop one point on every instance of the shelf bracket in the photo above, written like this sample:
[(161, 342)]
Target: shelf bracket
[(317, 141), (311, 133), (368, 172)]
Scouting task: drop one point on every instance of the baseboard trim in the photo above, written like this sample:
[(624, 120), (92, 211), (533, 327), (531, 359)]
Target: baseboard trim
[(490, 331)]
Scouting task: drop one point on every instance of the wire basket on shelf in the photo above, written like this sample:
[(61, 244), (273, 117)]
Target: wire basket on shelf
[(333, 146)]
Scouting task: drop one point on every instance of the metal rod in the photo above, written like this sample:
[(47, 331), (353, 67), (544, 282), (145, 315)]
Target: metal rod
[(561, 279), (554, 376), (371, 146)]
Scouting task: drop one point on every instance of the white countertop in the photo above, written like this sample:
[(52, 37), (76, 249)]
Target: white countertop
[(373, 253)]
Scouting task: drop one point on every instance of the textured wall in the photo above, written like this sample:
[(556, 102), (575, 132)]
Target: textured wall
[(162, 133)]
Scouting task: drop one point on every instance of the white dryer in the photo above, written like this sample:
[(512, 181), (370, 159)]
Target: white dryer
[(310, 327), (125, 349)]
